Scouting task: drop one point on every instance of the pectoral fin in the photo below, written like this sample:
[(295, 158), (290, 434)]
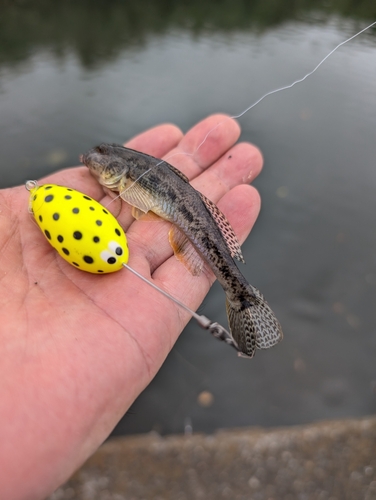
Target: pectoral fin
[(185, 251), (138, 197)]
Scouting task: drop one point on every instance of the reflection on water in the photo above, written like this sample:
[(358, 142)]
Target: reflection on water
[(73, 76), (99, 31)]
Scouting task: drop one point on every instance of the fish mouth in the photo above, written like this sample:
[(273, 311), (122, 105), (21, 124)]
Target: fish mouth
[(85, 159), (104, 166), (92, 161), (101, 171)]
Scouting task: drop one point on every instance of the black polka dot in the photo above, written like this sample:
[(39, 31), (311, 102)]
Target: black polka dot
[(88, 259), (47, 233), (105, 211), (68, 189), (117, 232), (87, 198), (75, 210), (41, 218), (99, 271), (119, 251), (49, 198), (75, 264), (56, 216), (111, 260), (34, 197), (68, 197), (98, 222), (92, 208), (60, 239), (48, 187), (96, 239), (66, 251), (77, 235)]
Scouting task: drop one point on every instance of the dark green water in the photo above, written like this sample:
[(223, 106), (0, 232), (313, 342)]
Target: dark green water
[(74, 74)]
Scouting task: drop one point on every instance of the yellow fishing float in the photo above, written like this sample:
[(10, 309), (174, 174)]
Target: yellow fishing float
[(82, 231)]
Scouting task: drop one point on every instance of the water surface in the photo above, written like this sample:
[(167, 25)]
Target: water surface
[(112, 71)]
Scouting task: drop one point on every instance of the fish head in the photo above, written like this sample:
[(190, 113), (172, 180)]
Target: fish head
[(105, 164)]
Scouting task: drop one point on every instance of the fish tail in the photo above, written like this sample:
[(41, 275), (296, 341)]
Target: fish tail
[(252, 323)]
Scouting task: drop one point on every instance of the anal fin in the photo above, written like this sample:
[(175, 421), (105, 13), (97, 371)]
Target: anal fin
[(185, 251), (145, 216), (137, 213)]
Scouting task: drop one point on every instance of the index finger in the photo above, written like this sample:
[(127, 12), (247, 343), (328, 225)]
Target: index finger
[(156, 141), (204, 144)]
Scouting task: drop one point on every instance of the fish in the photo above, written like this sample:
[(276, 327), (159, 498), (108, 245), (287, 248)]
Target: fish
[(200, 234)]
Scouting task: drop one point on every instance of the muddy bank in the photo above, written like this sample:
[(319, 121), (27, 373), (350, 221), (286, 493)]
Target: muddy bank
[(326, 461)]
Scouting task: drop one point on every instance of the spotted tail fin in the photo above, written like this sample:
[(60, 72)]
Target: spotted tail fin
[(253, 324)]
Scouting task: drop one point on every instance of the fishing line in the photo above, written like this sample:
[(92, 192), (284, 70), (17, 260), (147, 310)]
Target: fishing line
[(214, 328), (280, 89), (300, 79), (202, 320), (271, 92)]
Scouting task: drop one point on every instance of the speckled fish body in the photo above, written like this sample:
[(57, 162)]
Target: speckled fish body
[(200, 232)]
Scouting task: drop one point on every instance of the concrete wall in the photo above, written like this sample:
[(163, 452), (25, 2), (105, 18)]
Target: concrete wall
[(326, 461)]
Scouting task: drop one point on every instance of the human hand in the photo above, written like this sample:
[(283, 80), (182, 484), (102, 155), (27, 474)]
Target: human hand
[(77, 349)]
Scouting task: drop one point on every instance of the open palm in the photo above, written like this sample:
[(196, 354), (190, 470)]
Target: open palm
[(77, 349)]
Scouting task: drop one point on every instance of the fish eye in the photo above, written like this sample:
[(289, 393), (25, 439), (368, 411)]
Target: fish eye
[(101, 149)]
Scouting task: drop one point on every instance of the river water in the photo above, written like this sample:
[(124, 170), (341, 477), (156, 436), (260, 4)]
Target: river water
[(77, 75)]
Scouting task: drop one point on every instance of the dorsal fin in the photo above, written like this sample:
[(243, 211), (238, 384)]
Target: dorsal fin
[(225, 228), (177, 172)]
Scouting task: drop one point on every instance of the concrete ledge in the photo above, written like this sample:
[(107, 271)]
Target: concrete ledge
[(326, 461)]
